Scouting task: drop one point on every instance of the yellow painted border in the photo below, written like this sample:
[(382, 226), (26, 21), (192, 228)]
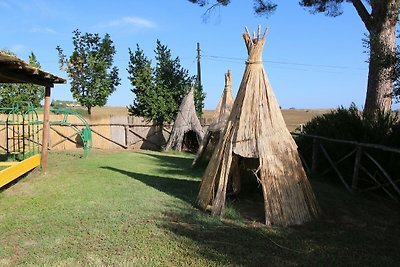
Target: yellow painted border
[(18, 169)]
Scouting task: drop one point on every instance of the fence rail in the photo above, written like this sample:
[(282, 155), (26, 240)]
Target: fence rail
[(366, 168), (126, 133)]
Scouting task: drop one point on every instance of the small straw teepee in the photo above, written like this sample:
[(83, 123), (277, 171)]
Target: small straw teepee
[(185, 121), (218, 122), (256, 134)]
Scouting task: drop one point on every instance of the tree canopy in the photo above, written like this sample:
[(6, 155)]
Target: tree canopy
[(159, 90), (90, 68), (13, 92)]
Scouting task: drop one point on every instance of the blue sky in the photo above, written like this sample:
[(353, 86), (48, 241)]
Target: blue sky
[(312, 61)]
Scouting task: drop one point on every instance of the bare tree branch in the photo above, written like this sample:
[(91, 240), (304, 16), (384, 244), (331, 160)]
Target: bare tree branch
[(363, 13)]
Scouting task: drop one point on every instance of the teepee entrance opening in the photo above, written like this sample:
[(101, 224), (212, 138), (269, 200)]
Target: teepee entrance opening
[(190, 142), (244, 191)]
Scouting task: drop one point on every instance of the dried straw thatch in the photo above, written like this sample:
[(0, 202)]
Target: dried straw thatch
[(185, 121), (256, 133), (218, 123)]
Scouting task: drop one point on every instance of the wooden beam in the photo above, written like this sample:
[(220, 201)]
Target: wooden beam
[(335, 168), (384, 172), (46, 129), (108, 139), (356, 169)]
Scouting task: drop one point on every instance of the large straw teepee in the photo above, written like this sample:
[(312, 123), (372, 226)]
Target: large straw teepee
[(218, 123), (256, 134), (185, 121)]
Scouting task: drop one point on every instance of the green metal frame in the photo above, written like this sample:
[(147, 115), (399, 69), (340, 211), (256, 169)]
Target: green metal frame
[(85, 134), (23, 127), (22, 138)]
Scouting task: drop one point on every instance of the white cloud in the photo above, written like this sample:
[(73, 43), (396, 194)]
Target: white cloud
[(131, 21), (43, 30)]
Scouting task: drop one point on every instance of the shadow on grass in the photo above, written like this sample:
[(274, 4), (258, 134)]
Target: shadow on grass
[(352, 232), (185, 190), (16, 180), (227, 243), (171, 159), (350, 235), (176, 164)]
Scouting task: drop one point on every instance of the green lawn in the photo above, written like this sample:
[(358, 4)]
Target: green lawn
[(136, 209)]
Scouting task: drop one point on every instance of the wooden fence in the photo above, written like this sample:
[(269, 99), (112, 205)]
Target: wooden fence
[(363, 168), (108, 132), (367, 171)]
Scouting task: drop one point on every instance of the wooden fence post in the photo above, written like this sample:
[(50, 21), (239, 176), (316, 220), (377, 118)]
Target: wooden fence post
[(356, 171), (126, 128), (315, 152)]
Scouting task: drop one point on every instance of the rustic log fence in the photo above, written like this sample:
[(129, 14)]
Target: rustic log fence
[(367, 173)]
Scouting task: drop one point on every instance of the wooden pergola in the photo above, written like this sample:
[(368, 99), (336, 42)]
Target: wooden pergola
[(16, 70)]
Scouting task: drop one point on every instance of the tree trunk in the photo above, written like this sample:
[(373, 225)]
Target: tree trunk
[(89, 110), (382, 34)]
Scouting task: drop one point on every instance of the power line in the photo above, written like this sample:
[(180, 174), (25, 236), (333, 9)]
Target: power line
[(237, 60)]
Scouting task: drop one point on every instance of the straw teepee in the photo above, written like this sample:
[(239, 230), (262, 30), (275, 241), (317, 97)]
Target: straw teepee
[(218, 123), (185, 121), (256, 134)]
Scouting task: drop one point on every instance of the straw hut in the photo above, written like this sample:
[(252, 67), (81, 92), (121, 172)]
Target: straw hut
[(257, 142), (218, 123), (186, 121)]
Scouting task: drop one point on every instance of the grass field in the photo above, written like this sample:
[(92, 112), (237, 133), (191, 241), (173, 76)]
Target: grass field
[(137, 209)]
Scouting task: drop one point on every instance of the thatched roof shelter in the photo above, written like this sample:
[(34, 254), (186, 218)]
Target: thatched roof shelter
[(217, 124), (16, 70), (185, 121), (256, 140)]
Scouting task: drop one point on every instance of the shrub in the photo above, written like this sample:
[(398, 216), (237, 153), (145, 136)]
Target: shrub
[(350, 124)]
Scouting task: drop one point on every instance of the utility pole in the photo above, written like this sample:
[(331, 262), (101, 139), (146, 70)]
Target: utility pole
[(198, 66)]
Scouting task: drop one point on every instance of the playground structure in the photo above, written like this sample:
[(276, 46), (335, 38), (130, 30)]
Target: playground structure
[(21, 127), (21, 135), (15, 70), (85, 135), (22, 139)]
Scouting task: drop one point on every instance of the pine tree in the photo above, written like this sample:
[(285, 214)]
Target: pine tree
[(159, 90), (140, 76)]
